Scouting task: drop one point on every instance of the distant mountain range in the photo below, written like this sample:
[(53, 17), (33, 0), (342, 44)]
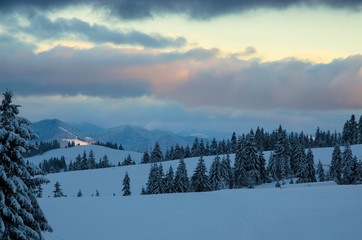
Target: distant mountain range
[(132, 138)]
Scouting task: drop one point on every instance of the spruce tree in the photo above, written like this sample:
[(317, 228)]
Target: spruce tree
[(251, 160), (126, 185), (169, 181), (79, 194), (320, 172), (215, 175), (84, 161), (181, 180), (349, 168), (200, 181), (20, 214), (195, 148), (240, 176), (335, 169), (91, 161), (77, 165), (234, 143), (58, 192), (152, 187), (156, 155), (145, 158), (360, 130), (97, 193), (310, 167), (226, 172)]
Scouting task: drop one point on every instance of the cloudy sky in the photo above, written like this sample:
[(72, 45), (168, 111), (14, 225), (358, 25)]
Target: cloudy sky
[(185, 65)]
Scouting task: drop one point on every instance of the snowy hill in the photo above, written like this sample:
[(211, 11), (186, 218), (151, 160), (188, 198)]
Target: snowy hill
[(53, 129), (135, 138), (298, 211)]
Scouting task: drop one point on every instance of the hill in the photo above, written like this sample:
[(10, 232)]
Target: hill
[(298, 211), (54, 129)]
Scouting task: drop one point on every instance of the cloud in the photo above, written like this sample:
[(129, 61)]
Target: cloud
[(198, 9), (196, 78), (42, 28)]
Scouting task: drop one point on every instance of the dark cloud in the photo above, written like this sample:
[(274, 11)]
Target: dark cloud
[(199, 9), (42, 28)]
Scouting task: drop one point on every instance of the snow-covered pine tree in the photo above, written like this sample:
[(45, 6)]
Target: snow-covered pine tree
[(310, 167), (156, 155), (169, 181), (213, 147), (200, 181), (71, 167), (251, 159), (240, 176), (360, 130), (282, 155), (187, 152), (79, 194), (58, 192), (97, 193), (263, 176), (160, 180), (143, 191), (151, 185), (195, 148), (84, 161), (226, 172), (126, 185), (145, 158), (77, 165), (181, 180), (91, 161), (335, 168), (215, 176), (320, 172), (234, 143), (348, 172), (20, 214)]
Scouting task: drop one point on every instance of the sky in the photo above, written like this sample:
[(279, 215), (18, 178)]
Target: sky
[(208, 65)]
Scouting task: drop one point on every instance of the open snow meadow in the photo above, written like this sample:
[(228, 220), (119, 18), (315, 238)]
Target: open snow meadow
[(294, 211)]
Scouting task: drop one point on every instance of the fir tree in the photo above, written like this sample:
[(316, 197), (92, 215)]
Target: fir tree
[(349, 168), (181, 180), (215, 177), (360, 130), (200, 181), (91, 161), (143, 191), (234, 143), (97, 193), (20, 214), (240, 175), (320, 172), (195, 148), (84, 161), (250, 160), (310, 167), (58, 192), (226, 172), (156, 155), (79, 194), (335, 168), (77, 165), (169, 181), (126, 185), (263, 176), (145, 158)]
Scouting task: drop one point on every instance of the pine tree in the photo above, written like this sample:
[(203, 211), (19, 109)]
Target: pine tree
[(156, 155), (77, 165), (79, 194), (251, 159), (282, 156), (200, 181), (226, 172), (215, 177), (20, 214), (234, 143), (240, 175), (320, 172), (360, 130), (91, 161), (169, 181), (97, 193), (152, 180), (335, 168), (348, 173), (263, 176), (58, 192), (181, 180), (84, 161), (310, 167), (145, 158), (126, 185)]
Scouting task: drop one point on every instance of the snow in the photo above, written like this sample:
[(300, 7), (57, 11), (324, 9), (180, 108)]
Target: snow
[(298, 211), (306, 211)]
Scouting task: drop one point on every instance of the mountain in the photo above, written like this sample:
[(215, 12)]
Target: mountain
[(135, 138), (54, 129)]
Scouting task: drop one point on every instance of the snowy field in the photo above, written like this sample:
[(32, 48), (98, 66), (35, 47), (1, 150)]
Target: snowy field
[(306, 211), (299, 211)]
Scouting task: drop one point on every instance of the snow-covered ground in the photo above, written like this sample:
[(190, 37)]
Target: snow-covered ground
[(298, 211)]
